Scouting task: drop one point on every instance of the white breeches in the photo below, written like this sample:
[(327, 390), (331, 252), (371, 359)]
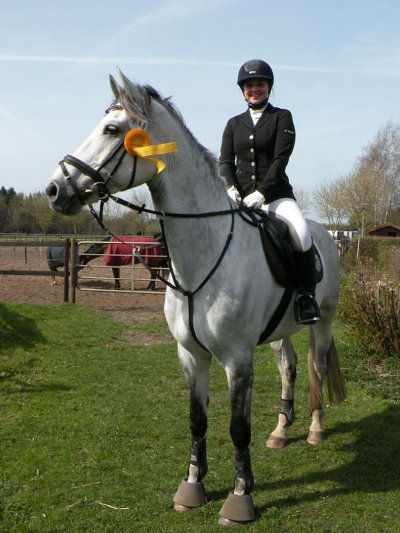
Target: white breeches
[(287, 210)]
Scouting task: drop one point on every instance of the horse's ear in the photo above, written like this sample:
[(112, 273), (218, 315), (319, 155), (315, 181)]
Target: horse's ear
[(116, 89), (135, 98)]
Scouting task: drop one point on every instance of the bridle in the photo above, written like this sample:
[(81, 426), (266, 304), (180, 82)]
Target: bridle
[(100, 176)]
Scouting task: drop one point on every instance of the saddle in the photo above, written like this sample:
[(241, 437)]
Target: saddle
[(278, 252)]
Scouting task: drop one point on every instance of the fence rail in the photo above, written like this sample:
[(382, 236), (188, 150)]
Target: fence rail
[(134, 275)]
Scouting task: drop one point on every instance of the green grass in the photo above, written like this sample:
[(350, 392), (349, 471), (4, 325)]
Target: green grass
[(88, 420)]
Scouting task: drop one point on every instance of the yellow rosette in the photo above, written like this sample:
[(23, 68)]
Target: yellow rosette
[(138, 142)]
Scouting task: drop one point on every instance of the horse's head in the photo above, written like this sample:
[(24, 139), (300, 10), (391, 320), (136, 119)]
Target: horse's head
[(115, 156)]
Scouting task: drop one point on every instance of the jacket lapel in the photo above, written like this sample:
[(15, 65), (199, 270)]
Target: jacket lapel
[(264, 117), (246, 120)]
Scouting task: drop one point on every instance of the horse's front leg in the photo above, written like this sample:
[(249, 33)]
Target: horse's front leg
[(117, 282), (196, 368), (152, 284), (238, 507), (287, 360)]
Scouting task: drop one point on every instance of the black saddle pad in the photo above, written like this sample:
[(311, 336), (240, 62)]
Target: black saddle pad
[(279, 253)]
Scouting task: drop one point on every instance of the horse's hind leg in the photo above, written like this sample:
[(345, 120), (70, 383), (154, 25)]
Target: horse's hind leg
[(191, 493), (287, 360), (323, 364)]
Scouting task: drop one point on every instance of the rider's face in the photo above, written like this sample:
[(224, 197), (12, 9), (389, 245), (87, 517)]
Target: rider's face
[(256, 91)]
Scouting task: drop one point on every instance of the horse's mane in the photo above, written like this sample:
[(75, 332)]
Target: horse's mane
[(176, 114), (148, 93)]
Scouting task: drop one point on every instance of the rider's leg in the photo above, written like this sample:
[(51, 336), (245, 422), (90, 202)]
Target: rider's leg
[(286, 209)]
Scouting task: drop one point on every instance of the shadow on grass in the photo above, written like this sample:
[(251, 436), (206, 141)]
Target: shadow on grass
[(17, 330), (374, 469), (18, 386)]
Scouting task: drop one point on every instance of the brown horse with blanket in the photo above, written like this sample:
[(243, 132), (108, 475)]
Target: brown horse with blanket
[(121, 250)]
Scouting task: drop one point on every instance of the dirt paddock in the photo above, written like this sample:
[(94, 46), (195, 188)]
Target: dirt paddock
[(130, 308)]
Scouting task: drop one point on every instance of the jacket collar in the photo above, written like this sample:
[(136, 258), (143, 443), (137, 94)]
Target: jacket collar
[(248, 121)]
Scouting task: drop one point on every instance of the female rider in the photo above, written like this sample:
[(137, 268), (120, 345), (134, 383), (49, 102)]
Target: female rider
[(255, 150)]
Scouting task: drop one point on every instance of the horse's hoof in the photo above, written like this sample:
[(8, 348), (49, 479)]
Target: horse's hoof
[(182, 508), (315, 437), (189, 495), (277, 443), (228, 523), (237, 510)]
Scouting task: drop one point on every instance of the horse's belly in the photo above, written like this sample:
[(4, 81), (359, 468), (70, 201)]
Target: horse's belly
[(219, 323)]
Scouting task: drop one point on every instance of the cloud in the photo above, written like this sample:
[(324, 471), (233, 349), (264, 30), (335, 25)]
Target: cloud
[(115, 60), (12, 119), (176, 10), (383, 71)]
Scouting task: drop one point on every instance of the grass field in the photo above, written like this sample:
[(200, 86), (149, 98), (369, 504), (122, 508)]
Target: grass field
[(94, 435)]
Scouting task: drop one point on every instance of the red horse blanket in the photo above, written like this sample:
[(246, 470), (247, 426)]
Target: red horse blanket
[(118, 254)]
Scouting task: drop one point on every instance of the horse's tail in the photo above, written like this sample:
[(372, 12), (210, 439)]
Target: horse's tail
[(334, 377)]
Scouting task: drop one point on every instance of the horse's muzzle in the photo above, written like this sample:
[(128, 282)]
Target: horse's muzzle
[(62, 198)]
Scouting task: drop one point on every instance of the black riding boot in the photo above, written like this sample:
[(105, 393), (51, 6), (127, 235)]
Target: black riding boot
[(306, 310)]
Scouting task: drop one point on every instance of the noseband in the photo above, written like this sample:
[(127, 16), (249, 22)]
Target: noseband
[(100, 176)]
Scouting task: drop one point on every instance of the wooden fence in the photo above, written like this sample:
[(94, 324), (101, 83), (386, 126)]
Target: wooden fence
[(73, 278)]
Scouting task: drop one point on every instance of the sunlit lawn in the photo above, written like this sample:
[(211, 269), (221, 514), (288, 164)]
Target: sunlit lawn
[(94, 436)]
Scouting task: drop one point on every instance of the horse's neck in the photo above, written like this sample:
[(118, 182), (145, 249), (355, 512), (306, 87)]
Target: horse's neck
[(191, 185), (190, 182)]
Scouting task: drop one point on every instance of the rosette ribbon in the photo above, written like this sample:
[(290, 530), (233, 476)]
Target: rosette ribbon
[(138, 142)]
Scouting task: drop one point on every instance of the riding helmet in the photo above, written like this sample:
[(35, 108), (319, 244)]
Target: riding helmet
[(255, 68)]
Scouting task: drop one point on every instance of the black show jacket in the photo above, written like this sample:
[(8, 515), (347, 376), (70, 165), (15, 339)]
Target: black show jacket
[(255, 157)]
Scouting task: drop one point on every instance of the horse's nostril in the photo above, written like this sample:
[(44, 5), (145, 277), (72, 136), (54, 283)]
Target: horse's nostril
[(51, 190)]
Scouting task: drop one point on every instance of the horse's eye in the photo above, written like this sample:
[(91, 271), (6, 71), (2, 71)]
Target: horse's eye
[(110, 129)]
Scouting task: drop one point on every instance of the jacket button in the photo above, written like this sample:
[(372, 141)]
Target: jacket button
[(253, 164), (251, 150), (253, 177), (251, 137)]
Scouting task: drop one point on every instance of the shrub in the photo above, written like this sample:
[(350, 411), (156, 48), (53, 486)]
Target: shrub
[(370, 303)]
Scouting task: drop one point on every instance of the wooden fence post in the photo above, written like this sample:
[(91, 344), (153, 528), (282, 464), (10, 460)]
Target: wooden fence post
[(74, 269), (67, 246)]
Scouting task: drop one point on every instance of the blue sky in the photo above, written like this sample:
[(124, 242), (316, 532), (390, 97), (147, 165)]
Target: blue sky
[(336, 65)]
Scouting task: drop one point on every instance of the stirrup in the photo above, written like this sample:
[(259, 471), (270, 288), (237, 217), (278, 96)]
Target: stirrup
[(306, 310)]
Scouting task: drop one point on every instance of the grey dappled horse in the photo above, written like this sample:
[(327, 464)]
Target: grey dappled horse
[(224, 294)]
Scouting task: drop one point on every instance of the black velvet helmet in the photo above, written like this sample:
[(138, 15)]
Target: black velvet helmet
[(255, 68)]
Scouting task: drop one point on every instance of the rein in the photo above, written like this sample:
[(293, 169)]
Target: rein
[(102, 177), (175, 285)]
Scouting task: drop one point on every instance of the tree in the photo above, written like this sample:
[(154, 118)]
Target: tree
[(143, 220), (329, 199), (303, 200), (374, 186), (40, 211), (370, 194), (8, 194), (18, 219)]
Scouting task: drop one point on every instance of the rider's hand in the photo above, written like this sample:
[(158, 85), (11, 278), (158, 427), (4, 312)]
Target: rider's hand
[(255, 199), (233, 194)]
